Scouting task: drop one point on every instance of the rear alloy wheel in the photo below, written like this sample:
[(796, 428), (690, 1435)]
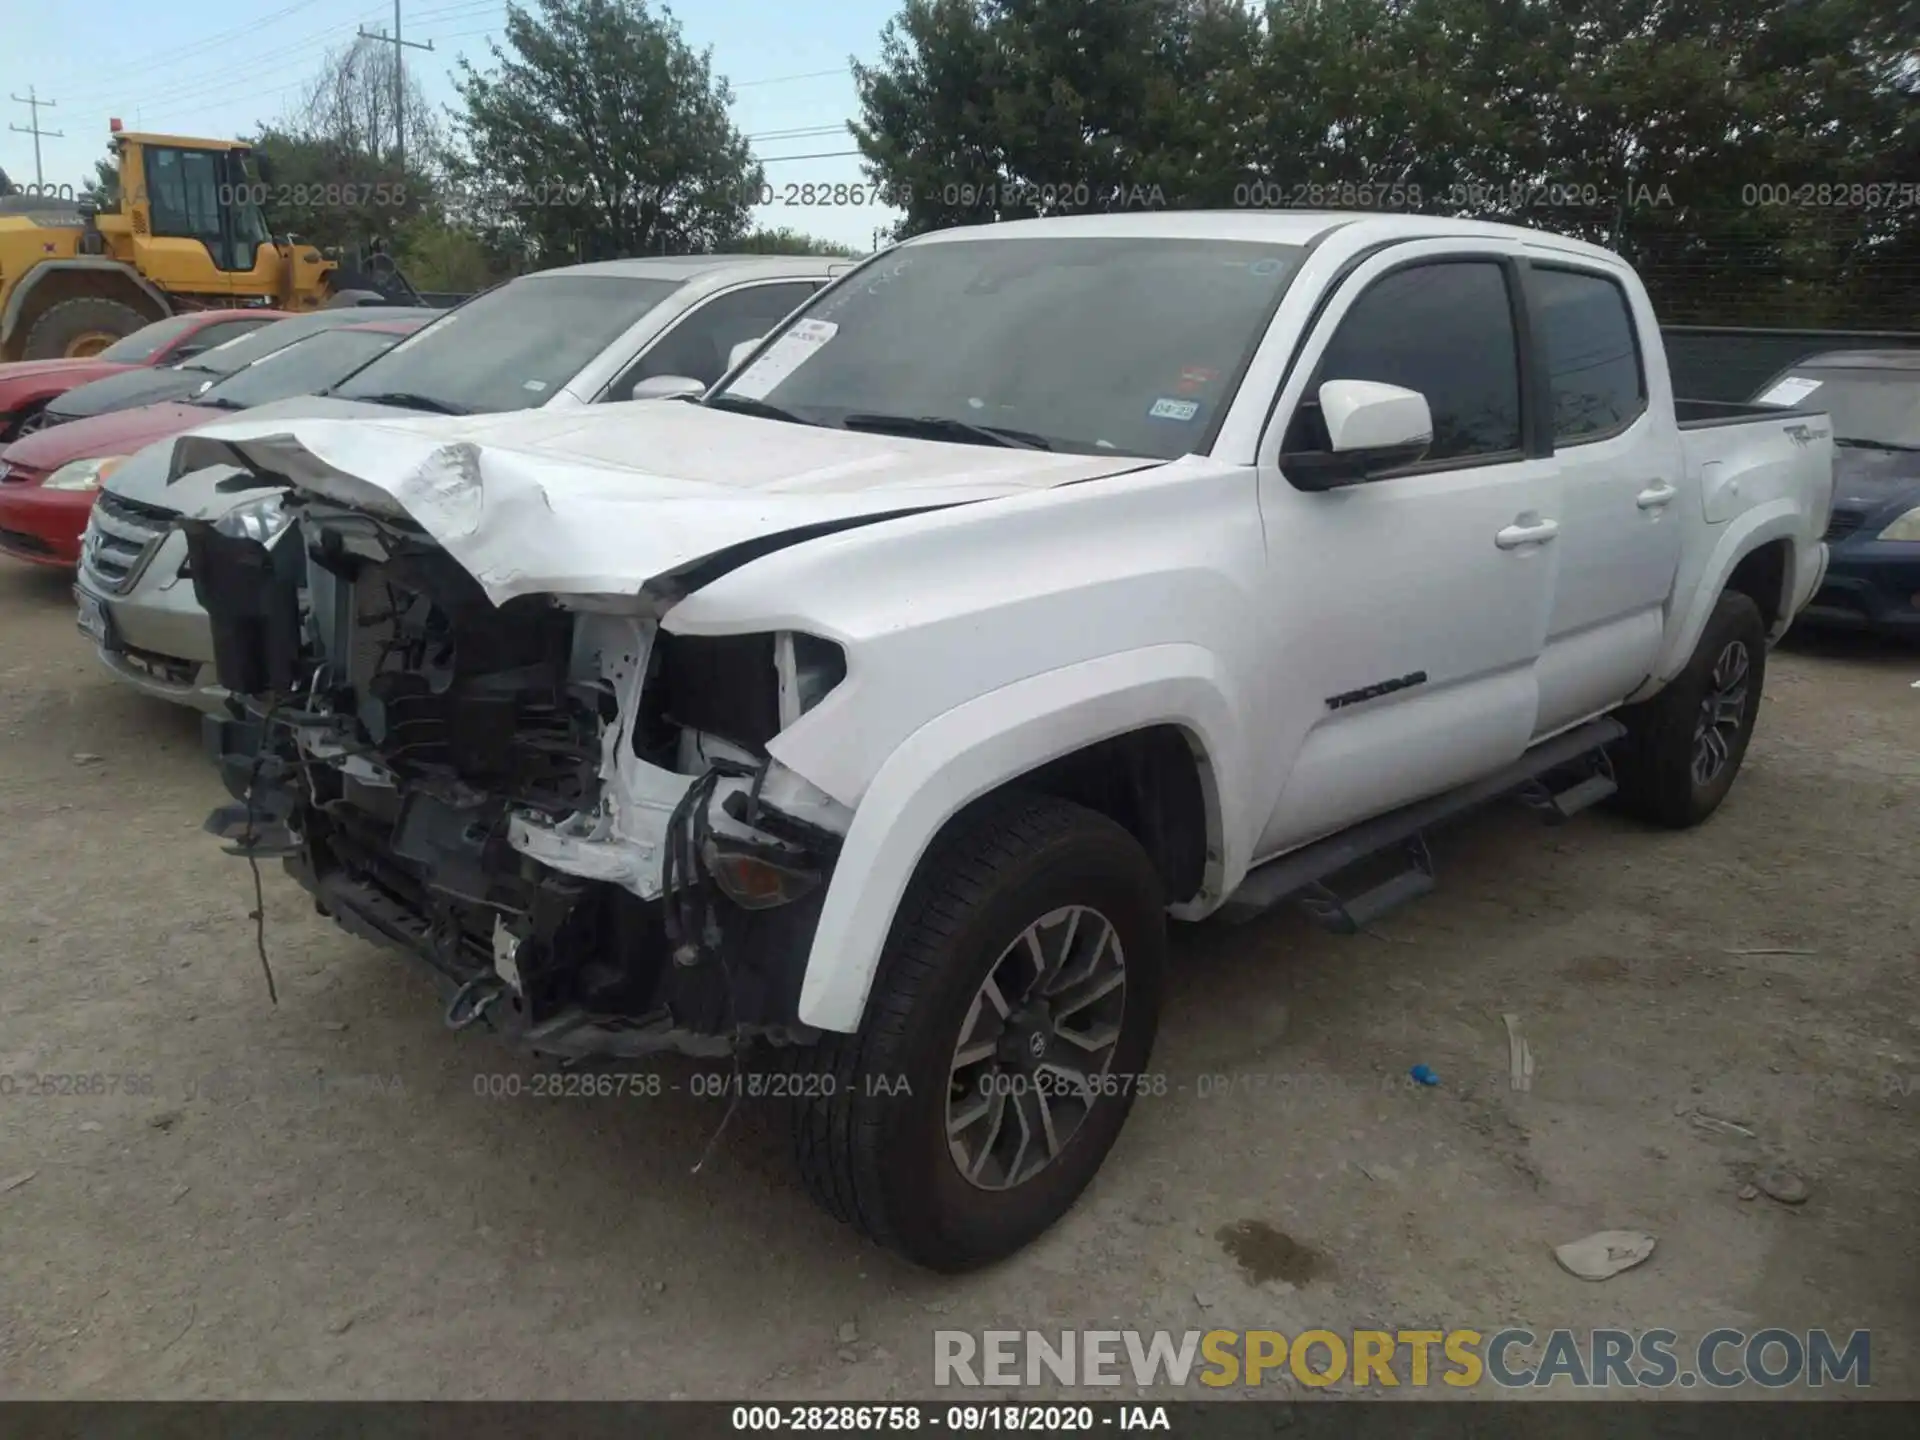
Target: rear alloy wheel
[(1723, 713), (1684, 746), (1003, 1040)]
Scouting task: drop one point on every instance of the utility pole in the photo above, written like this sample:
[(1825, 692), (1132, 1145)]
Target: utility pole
[(33, 102), (399, 81)]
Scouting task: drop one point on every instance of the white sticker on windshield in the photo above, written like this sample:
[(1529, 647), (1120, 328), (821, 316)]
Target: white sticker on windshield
[(1790, 391), (783, 357), (1169, 409), (534, 385)]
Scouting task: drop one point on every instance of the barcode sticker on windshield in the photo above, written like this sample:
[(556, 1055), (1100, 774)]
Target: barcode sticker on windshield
[(1790, 391), (783, 357)]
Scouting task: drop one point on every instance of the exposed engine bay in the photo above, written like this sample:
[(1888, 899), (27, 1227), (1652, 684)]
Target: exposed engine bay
[(568, 812)]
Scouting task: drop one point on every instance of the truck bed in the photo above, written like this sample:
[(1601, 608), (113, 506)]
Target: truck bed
[(1752, 455), (1704, 414)]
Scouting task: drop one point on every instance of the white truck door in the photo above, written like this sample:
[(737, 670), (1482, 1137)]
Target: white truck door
[(1621, 473), (1407, 611)]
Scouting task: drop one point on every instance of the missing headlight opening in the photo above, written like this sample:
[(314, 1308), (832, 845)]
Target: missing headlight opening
[(570, 814)]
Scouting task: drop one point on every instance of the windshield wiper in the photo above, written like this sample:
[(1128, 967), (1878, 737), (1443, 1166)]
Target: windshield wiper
[(942, 427), (1852, 444), (412, 400), (747, 405), (216, 402)]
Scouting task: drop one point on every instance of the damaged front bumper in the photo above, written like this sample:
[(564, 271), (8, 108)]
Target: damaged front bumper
[(567, 812)]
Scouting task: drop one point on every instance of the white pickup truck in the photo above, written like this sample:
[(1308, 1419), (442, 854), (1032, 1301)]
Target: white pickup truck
[(1034, 582)]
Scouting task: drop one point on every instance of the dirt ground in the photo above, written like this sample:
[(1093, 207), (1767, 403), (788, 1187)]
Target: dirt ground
[(314, 1199)]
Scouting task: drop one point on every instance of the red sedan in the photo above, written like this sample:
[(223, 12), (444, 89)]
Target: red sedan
[(48, 479), (27, 385)]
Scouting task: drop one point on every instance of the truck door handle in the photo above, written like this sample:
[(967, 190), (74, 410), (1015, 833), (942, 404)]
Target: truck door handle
[(1656, 495), (1533, 532)]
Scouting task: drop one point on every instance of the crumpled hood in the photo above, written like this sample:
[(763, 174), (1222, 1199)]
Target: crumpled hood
[(146, 475), (601, 499)]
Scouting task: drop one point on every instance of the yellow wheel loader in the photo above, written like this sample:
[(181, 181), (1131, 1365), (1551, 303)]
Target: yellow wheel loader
[(186, 232)]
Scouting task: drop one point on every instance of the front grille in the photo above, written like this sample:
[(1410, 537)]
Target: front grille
[(121, 538), (1842, 523)]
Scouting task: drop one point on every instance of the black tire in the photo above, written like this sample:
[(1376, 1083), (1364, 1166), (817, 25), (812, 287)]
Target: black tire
[(875, 1152), (61, 327), (1656, 764)]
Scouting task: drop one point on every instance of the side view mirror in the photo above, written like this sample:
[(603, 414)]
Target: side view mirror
[(1370, 427), (739, 353), (666, 387)]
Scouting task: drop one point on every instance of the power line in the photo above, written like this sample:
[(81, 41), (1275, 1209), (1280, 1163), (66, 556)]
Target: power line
[(808, 132), (821, 155), (33, 102), (783, 79), (167, 89), (203, 98), (458, 11), (400, 47), (98, 85)]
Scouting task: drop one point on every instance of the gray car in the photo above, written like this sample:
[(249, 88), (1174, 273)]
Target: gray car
[(574, 336)]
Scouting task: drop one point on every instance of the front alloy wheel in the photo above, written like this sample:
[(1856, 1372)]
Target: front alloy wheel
[(1014, 1007), (1037, 1043)]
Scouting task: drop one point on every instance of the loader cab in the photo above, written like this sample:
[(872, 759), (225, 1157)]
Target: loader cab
[(193, 210), (201, 193)]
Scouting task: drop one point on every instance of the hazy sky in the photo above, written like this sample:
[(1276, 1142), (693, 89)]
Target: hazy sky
[(197, 67)]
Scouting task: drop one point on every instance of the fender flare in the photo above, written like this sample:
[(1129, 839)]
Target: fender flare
[(1777, 520), (979, 746), (17, 301)]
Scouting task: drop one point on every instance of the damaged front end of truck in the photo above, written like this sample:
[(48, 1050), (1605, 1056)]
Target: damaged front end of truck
[(567, 811)]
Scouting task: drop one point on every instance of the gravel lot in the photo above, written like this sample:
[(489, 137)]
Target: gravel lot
[(314, 1200)]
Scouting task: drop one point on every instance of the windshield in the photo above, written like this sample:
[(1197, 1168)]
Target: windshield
[(513, 347), (1080, 342), (143, 344), (1871, 407), (243, 350), (302, 368)]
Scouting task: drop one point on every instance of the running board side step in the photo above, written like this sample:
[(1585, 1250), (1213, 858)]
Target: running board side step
[(1303, 874)]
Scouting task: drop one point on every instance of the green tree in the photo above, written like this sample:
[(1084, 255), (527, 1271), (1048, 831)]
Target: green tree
[(336, 179), (102, 190), (335, 194), (994, 109), (784, 241), (438, 255), (1657, 126), (599, 132)]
